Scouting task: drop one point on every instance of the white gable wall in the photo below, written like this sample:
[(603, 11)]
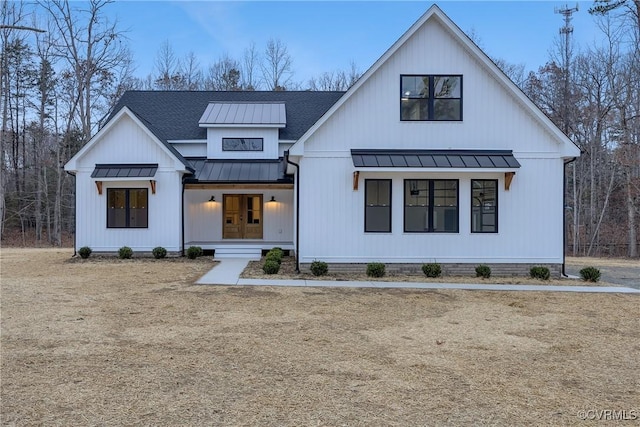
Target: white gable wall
[(530, 214), (126, 142)]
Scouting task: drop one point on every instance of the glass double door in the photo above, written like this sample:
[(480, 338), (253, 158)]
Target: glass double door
[(242, 216)]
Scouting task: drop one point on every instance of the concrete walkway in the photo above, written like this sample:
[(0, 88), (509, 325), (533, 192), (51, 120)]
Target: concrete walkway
[(228, 271)]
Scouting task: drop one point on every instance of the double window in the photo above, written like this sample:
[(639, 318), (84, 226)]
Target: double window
[(242, 144), (484, 206), (377, 206), (127, 208), (430, 206), (430, 98)]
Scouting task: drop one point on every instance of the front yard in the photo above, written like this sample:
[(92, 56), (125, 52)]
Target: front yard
[(136, 343)]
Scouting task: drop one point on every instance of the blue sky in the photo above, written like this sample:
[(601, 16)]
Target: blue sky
[(328, 35)]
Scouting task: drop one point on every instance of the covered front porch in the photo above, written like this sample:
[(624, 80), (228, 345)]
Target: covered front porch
[(239, 208)]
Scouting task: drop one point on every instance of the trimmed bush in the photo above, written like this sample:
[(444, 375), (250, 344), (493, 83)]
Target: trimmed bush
[(432, 270), (273, 256), (194, 252), (483, 271), (319, 268), (277, 250), (159, 252), (84, 252), (125, 252), (590, 274), (539, 272), (375, 269), (271, 267)]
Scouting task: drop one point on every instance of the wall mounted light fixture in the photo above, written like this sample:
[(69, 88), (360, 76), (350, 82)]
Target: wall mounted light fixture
[(212, 199), (273, 199)]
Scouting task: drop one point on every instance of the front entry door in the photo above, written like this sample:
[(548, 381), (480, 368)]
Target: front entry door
[(242, 218)]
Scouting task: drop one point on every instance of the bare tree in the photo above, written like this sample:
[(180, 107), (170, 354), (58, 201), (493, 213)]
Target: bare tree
[(250, 62), (224, 74), (191, 73), (277, 65), (167, 68), (91, 46), (339, 80)]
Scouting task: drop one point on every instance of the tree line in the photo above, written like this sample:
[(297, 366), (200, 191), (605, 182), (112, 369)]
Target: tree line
[(65, 64)]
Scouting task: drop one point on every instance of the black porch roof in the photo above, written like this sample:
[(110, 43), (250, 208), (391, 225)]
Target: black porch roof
[(239, 171), (491, 159)]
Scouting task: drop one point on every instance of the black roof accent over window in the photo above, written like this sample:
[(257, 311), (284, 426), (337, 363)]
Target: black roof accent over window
[(249, 171), (125, 170), (490, 159)]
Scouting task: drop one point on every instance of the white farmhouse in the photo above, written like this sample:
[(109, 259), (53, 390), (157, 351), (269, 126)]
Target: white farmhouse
[(434, 155)]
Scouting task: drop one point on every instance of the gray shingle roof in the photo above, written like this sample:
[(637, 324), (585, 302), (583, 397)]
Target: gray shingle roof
[(174, 115), (502, 159)]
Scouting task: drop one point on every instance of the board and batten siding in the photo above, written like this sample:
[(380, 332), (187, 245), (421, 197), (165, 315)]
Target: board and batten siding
[(204, 219), (126, 142), (494, 118), (332, 221)]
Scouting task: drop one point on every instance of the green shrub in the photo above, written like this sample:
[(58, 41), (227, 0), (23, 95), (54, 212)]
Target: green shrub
[(194, 252), (159, 252), (271, 267), (432, 270), (483, 271), (277, 250), (273, 256), (375, 269), (84, 252), (125, 252), (539, 272), (319, 268), (590, 274)]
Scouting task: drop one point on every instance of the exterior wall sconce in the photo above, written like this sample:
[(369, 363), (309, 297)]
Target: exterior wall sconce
[(273, 199), (212, 199)]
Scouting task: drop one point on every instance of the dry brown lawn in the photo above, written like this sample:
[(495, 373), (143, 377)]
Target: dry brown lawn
[(108, 342)]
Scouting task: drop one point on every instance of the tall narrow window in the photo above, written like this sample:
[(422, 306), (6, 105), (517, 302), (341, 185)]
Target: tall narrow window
[(484, 206), (431, 98), (430, 206), (377, 210), (127, 208)]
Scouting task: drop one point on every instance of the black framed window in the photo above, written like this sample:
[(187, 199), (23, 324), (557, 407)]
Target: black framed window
[(377, 205), (242, 144), (484, 206), (430, 98), (431, 206), (127, 207)]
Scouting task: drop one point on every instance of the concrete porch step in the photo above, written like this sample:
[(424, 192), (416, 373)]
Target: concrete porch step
[(252, 253)]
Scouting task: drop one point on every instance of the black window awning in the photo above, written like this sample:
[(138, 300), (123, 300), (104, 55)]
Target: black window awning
[(451, 159), (127, 170), (239, 171)]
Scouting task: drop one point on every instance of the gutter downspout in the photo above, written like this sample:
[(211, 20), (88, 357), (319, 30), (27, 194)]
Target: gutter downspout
[(75, 218), (564, 215), (297, 166), (182, 220)]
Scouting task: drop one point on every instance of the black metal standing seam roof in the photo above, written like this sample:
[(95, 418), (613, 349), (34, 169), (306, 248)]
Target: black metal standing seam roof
[(489, 159), (239, 171), (126, 170)]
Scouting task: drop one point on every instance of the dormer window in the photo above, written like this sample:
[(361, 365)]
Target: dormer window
[(242, 144), (430, 98)]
